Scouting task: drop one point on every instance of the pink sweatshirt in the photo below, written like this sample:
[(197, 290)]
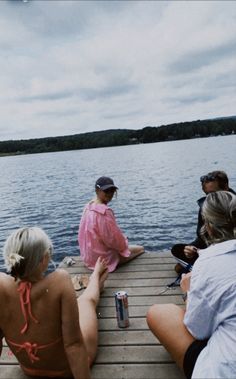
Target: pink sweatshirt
[(99, 235)]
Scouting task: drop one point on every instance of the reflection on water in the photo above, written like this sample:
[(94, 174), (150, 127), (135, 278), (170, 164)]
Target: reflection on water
[(158, 188)]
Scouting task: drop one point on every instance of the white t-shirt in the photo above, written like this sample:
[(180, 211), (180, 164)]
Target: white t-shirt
[(211, 310)]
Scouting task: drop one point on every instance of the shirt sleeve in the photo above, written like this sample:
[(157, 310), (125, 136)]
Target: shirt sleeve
[(200, 317), (111, 235)]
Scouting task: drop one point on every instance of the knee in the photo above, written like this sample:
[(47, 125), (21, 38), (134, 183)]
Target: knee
[(153, 315), (158, 315)]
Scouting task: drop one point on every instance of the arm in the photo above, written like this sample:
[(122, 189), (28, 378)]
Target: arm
[(110, 233), (72, 336), (200, 317)]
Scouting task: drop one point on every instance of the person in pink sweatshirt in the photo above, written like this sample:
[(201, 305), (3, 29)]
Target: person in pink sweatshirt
[(99, 234)]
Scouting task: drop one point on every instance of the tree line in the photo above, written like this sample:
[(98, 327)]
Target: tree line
[(117, 137)]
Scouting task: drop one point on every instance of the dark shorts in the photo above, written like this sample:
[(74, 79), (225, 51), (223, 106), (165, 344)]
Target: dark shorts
[(191, 356)]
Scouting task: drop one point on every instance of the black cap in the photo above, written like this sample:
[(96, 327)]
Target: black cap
[(104, 183)]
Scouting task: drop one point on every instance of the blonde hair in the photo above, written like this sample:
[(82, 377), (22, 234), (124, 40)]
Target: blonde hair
[(219, 211), (24, 249)]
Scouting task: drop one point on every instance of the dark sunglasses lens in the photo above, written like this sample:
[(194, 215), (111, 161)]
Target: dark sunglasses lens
[(207, 178), (109, 190)]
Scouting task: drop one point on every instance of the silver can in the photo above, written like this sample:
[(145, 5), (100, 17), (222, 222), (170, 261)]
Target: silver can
[(122, 311)]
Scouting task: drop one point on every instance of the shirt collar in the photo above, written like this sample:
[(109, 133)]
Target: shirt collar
[(218, 249), (99, 208)]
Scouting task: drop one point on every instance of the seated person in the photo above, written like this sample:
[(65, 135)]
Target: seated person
[(99, 234), (50, 333), (201, 339), (186, 254)]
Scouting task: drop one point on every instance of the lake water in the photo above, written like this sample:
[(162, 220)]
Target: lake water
[(158, 188)]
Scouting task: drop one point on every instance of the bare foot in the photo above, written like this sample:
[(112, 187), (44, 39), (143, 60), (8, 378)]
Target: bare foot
[(101, 271), (102, 280)]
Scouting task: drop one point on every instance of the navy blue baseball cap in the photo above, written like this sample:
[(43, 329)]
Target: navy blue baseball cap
[(103, 183)]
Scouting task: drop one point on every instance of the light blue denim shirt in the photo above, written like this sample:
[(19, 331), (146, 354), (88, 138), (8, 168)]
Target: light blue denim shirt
[(211, 310)]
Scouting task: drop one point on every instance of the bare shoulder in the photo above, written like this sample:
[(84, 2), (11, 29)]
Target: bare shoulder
[(7, 284), (59, 277), (5, 279), (4, 276), (61, 273)]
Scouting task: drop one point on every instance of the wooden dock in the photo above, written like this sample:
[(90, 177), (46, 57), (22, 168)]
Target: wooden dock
[(133, 352)]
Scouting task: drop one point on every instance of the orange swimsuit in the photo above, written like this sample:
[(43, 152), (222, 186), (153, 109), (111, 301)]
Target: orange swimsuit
[(30, 348)]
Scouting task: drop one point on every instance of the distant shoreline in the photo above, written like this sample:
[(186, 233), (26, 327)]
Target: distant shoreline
[(120, 137)]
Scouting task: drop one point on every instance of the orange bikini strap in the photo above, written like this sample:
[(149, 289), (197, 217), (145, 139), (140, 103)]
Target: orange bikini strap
[(32, 348), (24, 289)]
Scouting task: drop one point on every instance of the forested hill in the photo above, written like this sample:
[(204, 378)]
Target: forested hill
[(178, 131)]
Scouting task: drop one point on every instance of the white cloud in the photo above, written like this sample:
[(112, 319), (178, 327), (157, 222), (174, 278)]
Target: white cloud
[(69, 67)]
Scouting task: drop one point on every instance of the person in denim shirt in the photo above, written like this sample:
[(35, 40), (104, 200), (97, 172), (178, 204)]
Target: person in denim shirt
[(202, 339)]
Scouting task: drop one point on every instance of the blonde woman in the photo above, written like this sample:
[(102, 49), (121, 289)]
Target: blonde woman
[(47, 330), (202, 339)]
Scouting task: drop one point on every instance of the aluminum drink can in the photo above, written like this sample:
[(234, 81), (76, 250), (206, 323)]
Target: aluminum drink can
[(122, 311)]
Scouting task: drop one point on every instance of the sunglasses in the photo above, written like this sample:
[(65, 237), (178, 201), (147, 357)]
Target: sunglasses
[(207, 178), (109, 190)]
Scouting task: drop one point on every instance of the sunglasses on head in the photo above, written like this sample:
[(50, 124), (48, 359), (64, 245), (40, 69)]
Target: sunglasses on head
[(207, 178)]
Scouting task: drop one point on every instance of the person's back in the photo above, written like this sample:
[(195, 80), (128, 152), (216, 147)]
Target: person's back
[(40, 346), (51, 333)]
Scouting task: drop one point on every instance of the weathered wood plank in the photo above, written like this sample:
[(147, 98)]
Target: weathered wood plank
[(143, 300), (148, 274), (136, 371), (111, 324), (125, 268), (147, 260), (132, 354), (141, 291), (7, 356), (118, 284), (151, 260), (134, 311), (116, 371), (154, 254), (127, 337), (143, 274), (12, 372)]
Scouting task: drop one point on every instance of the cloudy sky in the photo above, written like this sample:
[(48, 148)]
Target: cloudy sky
[(69, 67)]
